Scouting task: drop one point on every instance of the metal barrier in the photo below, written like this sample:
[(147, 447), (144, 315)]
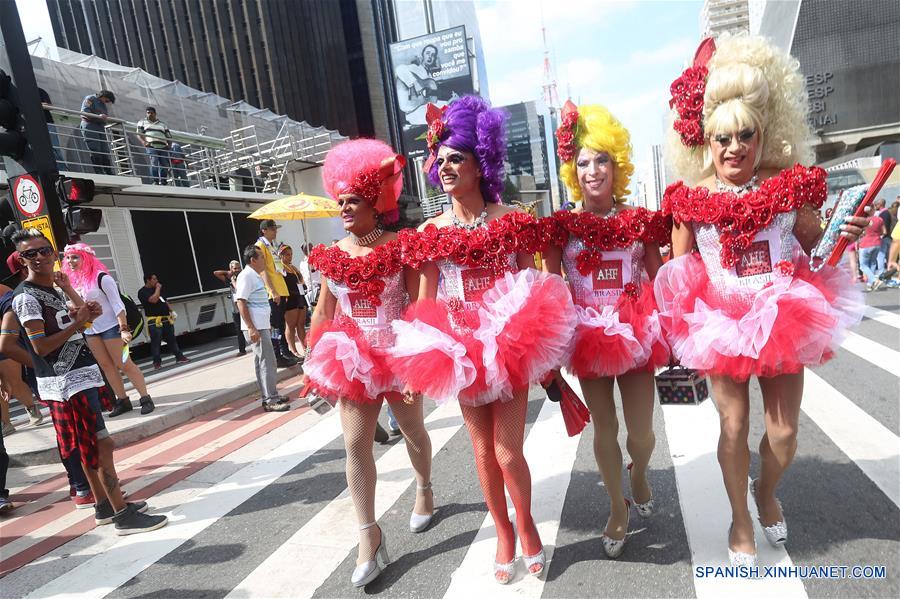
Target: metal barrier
[(239, 162)]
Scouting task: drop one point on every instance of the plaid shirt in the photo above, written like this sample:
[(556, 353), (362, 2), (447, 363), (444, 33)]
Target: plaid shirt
[(76, 426)]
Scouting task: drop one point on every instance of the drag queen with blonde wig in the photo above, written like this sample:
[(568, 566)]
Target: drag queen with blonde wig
[(739, 299), (610, 253), (367, 288), (498, 325)]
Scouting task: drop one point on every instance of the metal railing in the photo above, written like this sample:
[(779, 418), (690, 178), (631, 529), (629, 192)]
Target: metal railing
[(240, 162)]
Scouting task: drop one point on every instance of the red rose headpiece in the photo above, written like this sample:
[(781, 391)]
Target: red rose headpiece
[(437, 130), (375, 185), (565, 134), (366, 168), (687, 96)]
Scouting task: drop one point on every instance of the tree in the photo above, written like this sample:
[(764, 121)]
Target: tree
[(510, 192)]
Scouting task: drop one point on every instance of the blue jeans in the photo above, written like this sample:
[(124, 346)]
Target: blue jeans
[(883, 252), (98, 146), (156, 335), (57, 148), (159, 165), (868, 262)]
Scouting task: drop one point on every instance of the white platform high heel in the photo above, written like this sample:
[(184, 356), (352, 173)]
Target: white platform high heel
[(365, 573), (419, 522), (776, 534), (739, 558), (613, 548), (644, 510)]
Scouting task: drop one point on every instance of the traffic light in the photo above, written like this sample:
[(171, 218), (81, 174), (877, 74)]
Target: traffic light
[(12, 142), (75, 192)]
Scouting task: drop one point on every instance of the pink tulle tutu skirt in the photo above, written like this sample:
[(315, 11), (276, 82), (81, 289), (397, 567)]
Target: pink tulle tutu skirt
[(345, 366), (612, 340), (797, 320), (524, 328)]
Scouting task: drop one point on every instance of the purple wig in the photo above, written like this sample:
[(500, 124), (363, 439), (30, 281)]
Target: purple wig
[(471, 125)]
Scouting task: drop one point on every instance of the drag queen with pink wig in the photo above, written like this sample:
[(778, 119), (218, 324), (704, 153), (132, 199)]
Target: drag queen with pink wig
[(498, 325), (108, 334), (610, 253), (366, 289), (739, 299)]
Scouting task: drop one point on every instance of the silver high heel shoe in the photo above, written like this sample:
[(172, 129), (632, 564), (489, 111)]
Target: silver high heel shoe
[(419, 522), (739, 558), (644, 510), (365, 573), (613, 548), (531, 561), (777, 533)]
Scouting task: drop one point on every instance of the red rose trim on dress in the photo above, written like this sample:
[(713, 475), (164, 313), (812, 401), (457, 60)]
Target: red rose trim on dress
[(740, 218), (362, 274)]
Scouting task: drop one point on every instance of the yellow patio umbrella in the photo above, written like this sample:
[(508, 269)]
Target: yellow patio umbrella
[(298, 207)]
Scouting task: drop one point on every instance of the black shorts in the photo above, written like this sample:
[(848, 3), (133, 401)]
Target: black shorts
[(295, 302)]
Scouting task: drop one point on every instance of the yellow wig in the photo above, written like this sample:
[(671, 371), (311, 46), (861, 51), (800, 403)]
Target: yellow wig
[(600, 131)]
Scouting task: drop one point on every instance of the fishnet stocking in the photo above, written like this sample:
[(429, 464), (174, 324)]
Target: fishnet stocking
[(411, 419), (358, 423), (497, 431)]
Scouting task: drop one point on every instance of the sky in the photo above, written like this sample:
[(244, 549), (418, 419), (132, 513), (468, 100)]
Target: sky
[(619, 53)]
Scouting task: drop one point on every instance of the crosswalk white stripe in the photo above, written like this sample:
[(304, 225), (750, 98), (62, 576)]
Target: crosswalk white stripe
[(550, 454), (306, 560), (883, 316), (133, 554), (692, 433), (875, 353), (874, 448)]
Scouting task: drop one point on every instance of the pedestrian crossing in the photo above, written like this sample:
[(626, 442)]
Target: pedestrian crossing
[(258, 505)]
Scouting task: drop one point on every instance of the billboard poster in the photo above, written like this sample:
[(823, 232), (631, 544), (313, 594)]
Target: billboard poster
[(432, 68)]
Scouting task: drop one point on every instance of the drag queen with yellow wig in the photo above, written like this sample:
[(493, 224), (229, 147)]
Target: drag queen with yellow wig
[(610, 253), (740, 299)]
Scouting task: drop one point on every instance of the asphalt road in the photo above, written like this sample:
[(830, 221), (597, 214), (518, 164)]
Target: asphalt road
[(259, 504)]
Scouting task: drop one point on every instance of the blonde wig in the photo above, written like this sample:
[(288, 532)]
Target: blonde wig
[(751, 85), (600, 131)]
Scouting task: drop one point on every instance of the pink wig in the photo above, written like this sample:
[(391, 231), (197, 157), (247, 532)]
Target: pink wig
[(367, 168), (85, 278)]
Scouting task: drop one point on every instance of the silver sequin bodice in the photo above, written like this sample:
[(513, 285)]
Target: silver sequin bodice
[(755, 267), (466, 284), (603, 286), (374, 321)]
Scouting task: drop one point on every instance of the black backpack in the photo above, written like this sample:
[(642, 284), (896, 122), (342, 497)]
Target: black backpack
[(133, 315)]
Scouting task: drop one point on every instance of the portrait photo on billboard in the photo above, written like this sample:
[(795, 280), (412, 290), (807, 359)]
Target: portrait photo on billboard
[(432, 68)]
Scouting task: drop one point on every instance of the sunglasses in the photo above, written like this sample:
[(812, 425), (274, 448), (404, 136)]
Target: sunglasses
[(744, 137), (32, 254)]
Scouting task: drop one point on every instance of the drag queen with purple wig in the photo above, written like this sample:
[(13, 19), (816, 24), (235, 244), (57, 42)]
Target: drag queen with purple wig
[(497, 325)]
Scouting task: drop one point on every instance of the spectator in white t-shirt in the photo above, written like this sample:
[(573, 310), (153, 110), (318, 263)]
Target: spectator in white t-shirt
[(155, 136), (109, 335), (253, 304)]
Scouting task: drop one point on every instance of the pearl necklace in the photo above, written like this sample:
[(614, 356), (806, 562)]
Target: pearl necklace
[(736, 189), (368, 237), (478, 222)]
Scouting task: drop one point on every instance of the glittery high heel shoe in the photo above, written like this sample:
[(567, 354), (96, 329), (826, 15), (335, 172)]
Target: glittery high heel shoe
[(644, 510), (503, 573), (535, 563), (776, 534), (419, 522), (613, 548), (739, 558), (365, 573)]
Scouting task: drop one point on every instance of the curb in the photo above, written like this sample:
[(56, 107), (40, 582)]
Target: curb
[(170, 418)]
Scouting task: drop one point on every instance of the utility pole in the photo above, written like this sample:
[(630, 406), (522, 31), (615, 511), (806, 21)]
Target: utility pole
[(28, 154)]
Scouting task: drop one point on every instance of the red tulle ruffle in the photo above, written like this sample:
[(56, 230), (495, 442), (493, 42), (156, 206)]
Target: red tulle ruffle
[(613, 340), (344, 365), (795, 321), (524, 328)]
